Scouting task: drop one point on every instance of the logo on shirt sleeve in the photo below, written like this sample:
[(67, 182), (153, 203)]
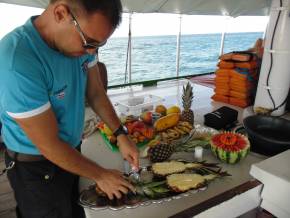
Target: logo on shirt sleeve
[(60, 94), (85, 66)]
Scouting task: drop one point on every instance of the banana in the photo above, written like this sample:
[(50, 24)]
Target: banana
[(179, 130), (173, 133), (185, 129), (185, 124), (164, 136), (178, 135)]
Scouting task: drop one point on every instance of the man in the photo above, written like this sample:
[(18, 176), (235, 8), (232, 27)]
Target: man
[(258, 48), (46, 70)]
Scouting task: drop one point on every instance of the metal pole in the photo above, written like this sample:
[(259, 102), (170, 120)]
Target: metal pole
[(178, 47), (223, 36), (130, 48)]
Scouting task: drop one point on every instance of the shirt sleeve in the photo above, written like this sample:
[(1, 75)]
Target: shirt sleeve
[(93, 60), (25, 94)]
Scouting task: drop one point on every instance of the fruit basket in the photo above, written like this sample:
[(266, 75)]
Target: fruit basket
[(154, 186)]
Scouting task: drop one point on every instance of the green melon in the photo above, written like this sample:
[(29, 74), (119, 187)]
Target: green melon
[(230, 147)]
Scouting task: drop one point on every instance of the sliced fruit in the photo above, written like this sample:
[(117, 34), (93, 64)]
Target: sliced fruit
[(185, 181), (167, 168), (230, 147), (171, 167)]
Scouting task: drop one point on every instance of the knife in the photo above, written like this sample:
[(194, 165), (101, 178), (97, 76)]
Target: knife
[(131, 170)]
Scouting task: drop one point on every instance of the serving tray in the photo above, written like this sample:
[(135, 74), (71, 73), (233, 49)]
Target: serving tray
[(95, 200)]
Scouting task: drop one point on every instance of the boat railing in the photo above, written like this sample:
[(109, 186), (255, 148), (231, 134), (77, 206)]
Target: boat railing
[(147, 83)]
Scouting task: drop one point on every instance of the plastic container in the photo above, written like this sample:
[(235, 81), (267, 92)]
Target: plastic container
[(137, 104)]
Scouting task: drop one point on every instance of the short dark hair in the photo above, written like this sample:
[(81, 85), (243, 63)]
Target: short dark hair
[(112, 9)]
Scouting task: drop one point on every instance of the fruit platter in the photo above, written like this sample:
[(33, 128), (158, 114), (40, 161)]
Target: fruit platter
[(138, 131), (165, 123), (158, 183), (169, 129)]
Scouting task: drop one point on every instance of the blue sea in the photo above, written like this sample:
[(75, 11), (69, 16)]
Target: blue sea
[(154, 57)]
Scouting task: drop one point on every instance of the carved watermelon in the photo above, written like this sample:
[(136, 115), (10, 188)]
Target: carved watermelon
[(230, 147)]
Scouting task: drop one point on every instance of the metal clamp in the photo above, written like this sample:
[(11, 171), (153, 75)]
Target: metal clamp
[(281, 8), (275, 51), (9, 167)]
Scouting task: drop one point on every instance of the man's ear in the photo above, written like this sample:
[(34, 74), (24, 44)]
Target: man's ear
[(61, 13)]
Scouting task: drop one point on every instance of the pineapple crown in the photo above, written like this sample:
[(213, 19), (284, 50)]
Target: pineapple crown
[(187, 96)]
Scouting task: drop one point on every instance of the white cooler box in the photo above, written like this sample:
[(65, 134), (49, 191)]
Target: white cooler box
[(274, 173), (135, 105)]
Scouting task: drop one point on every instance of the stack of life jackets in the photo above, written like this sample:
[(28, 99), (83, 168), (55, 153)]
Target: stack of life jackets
[(236, 79)]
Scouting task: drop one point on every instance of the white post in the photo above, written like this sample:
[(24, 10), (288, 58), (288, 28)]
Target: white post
[(178, 47), (274, 79), (224, 35), (130, 49), (265, 31)]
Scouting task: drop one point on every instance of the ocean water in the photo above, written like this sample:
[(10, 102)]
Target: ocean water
[(154, 57)]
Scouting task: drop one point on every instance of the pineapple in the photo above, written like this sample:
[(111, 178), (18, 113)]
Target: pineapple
[(160, 152), (185, 181), (172, 167), (187, 96), (167, 168)]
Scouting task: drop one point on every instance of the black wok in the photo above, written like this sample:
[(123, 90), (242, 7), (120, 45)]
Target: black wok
[(268, 135)]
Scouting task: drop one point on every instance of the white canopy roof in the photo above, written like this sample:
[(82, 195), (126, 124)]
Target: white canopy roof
[(232, 8)]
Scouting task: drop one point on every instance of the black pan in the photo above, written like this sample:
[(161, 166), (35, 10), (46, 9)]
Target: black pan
[(268, 135)]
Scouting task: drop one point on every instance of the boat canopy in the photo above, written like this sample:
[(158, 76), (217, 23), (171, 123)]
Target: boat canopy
[(233, 8)]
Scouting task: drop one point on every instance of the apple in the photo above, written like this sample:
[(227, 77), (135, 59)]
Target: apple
[(146, 117), (161, 109), (138, 125)]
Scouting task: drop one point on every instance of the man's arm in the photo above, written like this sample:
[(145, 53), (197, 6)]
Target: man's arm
[(100, 103), (98, 99), (42, 130)]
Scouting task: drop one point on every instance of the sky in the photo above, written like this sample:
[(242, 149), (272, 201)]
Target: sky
[(148, 24)]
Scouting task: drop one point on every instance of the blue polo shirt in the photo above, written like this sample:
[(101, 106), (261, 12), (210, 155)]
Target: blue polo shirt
[(35, 78)]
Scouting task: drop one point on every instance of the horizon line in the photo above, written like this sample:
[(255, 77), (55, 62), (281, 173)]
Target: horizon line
[(186, 34)]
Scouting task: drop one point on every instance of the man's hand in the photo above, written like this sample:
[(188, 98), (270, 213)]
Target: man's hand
[(128, 150), (113, 184), (111, 181)]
